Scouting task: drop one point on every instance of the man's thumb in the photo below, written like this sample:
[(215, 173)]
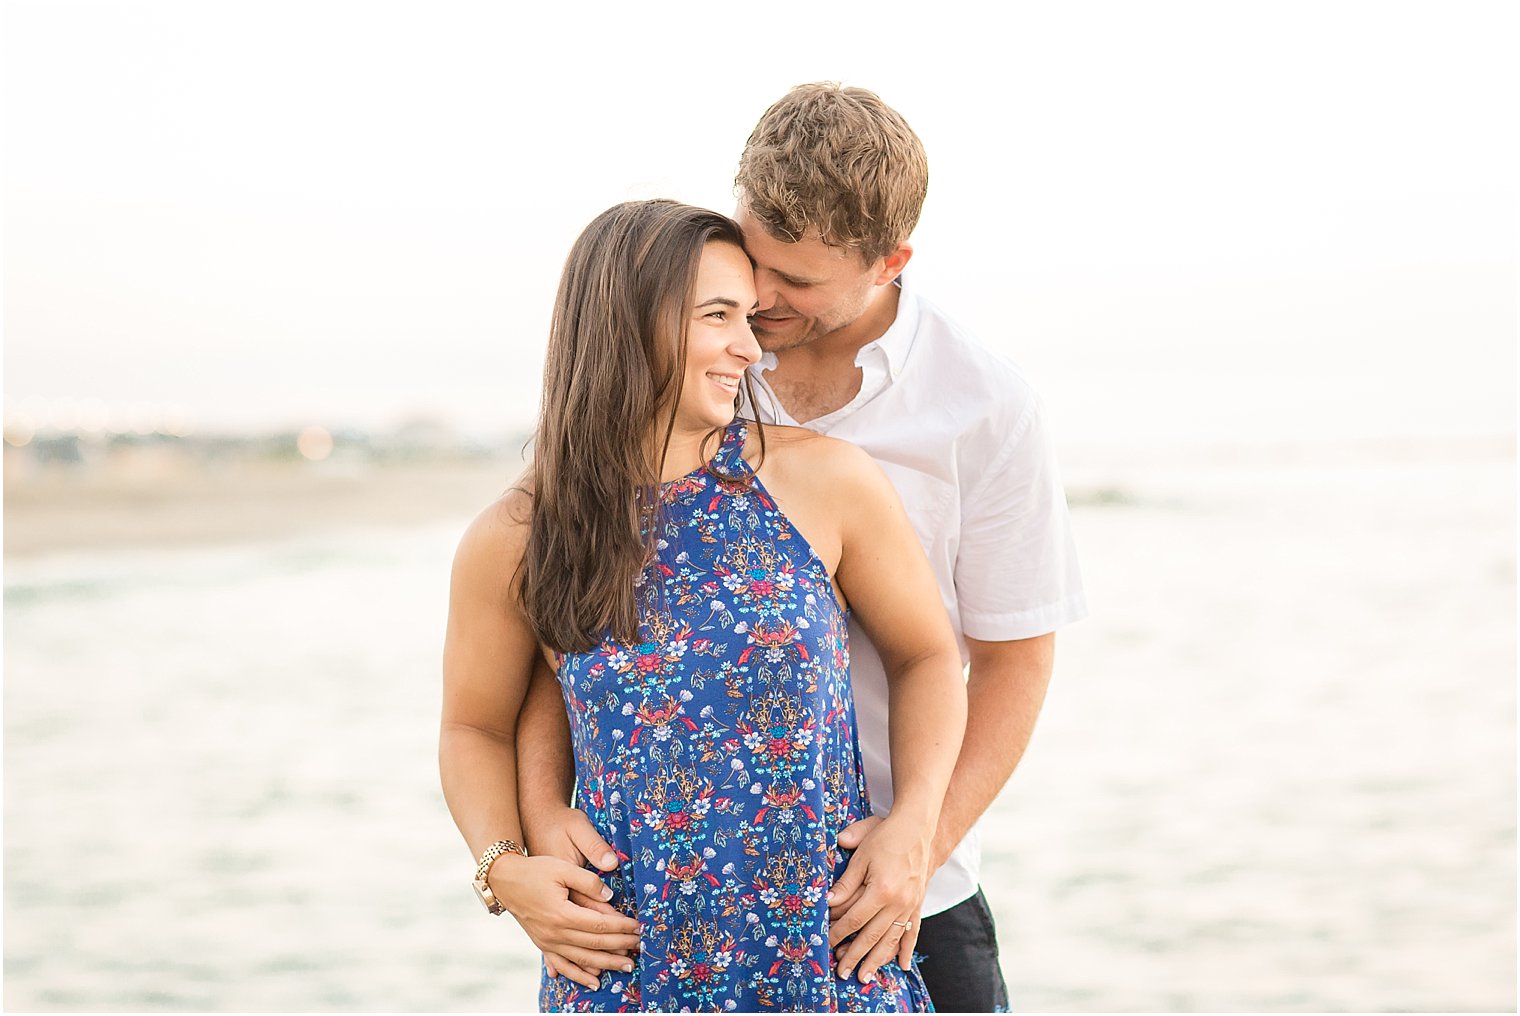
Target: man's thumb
[(591, 845)]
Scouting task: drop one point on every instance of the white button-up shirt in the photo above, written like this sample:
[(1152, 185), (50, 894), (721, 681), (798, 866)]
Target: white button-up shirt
[(960, 434)]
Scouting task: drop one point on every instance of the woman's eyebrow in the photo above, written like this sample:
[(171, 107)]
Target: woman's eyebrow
[(722, 301)]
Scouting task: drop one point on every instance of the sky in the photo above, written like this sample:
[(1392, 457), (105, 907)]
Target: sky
[(1186, 221)]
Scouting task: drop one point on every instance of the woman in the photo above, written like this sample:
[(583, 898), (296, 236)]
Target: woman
[(686, 575)]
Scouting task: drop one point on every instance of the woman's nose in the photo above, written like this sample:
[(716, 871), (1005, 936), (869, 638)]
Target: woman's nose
[(747, 347)]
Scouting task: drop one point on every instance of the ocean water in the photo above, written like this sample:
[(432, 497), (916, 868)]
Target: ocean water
[(1275, 771)]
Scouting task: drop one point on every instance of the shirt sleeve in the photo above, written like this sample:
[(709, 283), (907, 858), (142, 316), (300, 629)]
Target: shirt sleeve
[(1016, 571)]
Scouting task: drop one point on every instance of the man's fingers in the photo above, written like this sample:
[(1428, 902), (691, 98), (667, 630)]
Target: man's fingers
[(558, 966), (851, 835), (561, 967), (587, 883), (596, 960), (590, 843)]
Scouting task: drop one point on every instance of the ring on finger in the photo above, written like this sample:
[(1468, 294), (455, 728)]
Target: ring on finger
[(904, 925)]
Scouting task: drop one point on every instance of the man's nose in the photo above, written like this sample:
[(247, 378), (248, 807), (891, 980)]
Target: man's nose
[(766, 293)]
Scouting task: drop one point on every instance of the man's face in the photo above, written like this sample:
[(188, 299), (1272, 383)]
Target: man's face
[(807, 289)]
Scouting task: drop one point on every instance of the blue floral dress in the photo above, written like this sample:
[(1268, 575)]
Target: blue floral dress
[(718, 756)]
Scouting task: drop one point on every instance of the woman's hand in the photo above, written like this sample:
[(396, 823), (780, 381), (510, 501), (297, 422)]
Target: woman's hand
[(882, 889), (566, 833), (584, 941)]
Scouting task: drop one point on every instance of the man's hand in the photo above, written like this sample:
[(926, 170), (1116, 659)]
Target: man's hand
[(566, 833)]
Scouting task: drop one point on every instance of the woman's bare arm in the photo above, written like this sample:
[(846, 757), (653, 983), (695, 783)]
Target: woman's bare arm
[(893, 594), (489, 653)]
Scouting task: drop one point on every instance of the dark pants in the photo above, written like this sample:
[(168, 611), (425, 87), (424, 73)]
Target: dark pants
[(959, 959)]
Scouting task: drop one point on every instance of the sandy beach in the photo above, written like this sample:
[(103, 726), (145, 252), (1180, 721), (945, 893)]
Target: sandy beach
[(172, 504), (164, 500)]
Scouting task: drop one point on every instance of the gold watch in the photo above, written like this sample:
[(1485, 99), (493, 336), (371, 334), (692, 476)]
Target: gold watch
[(482, 887)]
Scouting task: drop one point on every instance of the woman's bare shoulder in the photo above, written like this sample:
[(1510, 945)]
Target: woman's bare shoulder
[(495, 540), (804, 453)]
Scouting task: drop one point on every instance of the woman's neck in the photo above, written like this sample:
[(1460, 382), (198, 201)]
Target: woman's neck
[(685, 452)]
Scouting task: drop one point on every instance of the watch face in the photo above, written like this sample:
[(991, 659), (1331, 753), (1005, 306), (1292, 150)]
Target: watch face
[(487, 898)]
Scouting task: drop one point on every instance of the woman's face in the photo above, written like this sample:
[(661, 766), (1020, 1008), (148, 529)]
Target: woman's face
[(719, 343)]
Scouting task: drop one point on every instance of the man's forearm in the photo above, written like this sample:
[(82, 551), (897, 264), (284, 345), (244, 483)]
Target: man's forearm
[(1004, 693), (545, 763)]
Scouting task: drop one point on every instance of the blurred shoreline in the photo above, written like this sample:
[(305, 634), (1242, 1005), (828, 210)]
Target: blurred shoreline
[(165, 496), (72, 509)]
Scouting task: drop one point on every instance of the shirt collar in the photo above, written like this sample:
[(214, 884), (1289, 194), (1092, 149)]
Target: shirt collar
[(897, 341)]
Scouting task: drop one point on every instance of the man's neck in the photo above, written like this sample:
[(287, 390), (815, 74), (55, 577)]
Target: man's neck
[(821, 377)]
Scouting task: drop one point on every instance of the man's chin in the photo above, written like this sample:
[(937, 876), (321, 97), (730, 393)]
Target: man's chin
[(781, 340)]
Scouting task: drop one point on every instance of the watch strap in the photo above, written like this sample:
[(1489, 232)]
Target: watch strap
[(491, 853)]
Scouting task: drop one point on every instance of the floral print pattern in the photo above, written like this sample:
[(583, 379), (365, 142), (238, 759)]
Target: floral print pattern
[(718, 756)]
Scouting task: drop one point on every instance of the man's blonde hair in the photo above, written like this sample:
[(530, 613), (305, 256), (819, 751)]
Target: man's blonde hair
[(837, 162)]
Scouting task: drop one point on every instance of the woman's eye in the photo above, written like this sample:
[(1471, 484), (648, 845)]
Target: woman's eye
[(721, 315)]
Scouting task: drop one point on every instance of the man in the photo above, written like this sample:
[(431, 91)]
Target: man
[(830, 186)]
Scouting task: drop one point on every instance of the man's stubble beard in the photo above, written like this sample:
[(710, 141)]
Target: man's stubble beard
[(817, 329), (778, 344)]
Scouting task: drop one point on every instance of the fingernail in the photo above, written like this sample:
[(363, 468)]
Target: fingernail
[(606, 892), (609, 861), (844, 975), (830, 897), (867, 978), (627, 968)]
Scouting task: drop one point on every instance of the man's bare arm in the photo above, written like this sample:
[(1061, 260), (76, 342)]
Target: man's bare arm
[(545, 764), (546, 777), (1004, 694)]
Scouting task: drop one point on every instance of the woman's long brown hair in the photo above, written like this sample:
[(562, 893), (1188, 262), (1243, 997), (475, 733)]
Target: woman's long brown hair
[(612, 384)]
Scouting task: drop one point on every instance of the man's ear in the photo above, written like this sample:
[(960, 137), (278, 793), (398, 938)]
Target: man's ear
[(893, 264)]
